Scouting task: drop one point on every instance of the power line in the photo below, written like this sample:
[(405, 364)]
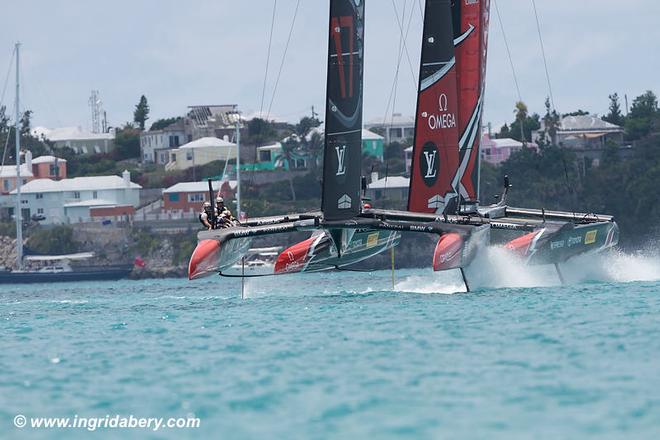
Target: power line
[(405, 46), (508, 51), (545, 62), (286, 49), (396, 75), (270, 43), (4, 87)]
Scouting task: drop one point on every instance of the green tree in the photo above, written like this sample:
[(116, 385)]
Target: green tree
[(312, 146), (288, 155), (521, 113), (260, 132), (530, 124), (576, 113), (642, 115), (505, 132), (306, 124), (26, 122), (127, 143), (615, 116), (141, 113), (163, 123), (551, 126)]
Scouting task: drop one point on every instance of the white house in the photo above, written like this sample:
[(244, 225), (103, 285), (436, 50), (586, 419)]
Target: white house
[(155, 145), (391, 188), (397, 128), (79, 199), (79, 140), (201, 152)]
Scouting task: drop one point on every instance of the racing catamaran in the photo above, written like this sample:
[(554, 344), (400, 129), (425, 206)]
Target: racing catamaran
[(443, 197)]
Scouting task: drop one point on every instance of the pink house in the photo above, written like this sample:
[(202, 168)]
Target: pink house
[(49, 167), (496, 151), (43, 167)]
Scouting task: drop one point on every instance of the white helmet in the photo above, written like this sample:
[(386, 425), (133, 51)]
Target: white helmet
[(207, 205), (219, 200)]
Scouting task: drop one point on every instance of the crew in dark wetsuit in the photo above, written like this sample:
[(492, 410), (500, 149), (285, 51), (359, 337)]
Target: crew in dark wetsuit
[(223, 216), (206, 216)]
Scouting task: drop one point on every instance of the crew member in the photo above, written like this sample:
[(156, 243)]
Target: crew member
[(206, 216), (223, 214)]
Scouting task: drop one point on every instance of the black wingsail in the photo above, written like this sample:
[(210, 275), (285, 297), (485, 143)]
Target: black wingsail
[(343, 115)]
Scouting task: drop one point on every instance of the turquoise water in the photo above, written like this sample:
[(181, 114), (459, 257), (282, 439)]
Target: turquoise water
[(341, 355)]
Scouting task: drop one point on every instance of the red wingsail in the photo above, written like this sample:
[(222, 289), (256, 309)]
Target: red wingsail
[(470, 18), (435, 152)]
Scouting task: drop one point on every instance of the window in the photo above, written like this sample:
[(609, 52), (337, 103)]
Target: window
[(395, 133), (300, 163), (409, 133), (190, 138), (174, 141), (76, 195), (192, 198), (54, 170), (95, 195), (264, 156), (5, 185), (40, 196), (40, 210), (189, 155), (174, 197), (173, 159)]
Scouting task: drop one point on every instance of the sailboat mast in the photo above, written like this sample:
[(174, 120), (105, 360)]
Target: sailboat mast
[(17, 129), (238, 167)]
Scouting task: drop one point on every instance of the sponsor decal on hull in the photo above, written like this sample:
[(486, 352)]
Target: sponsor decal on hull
[(590, 237)]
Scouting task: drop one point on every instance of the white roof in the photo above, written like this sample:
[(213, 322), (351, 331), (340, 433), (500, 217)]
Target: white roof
[(275, 146), (207, 142), (197, 187), (369, 135), (397, 120), (92, 202), (69, 134), (10, 171), (390, 182), (76, 184), (506, 143), (47, 159)]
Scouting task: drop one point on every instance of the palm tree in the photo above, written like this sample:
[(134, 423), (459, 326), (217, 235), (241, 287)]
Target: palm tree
[(313, 148), (521, 113), (288, 156)]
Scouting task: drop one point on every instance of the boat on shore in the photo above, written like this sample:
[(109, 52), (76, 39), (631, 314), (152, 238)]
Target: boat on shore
[(59, 268), (48, 268)]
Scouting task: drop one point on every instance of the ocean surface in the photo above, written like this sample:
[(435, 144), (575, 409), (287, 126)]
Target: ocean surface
[(344, 355)]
